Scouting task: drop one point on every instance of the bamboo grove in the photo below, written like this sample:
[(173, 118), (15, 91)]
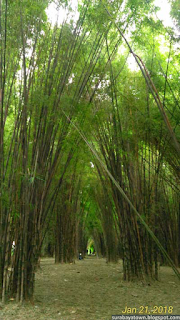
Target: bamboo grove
[(73, 117)]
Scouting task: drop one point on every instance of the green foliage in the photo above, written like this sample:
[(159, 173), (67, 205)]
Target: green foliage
[(175, 11)]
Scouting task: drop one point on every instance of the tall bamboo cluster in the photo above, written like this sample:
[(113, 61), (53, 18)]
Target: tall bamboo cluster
[(40, 98), (139, 163), (107, 217), (67, 219)]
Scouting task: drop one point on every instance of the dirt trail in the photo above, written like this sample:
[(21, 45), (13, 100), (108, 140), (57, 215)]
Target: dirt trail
[(92, 290)]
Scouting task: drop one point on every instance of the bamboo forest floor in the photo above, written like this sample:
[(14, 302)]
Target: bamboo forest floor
[(91, 290)]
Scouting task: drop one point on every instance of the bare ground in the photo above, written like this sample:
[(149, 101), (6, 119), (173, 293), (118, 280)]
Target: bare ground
[(92, 290)]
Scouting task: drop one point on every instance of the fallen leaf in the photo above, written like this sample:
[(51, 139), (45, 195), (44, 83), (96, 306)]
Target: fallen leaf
[(134, 294)]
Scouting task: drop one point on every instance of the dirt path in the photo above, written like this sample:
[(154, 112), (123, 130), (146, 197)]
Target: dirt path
[(92, 290)]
